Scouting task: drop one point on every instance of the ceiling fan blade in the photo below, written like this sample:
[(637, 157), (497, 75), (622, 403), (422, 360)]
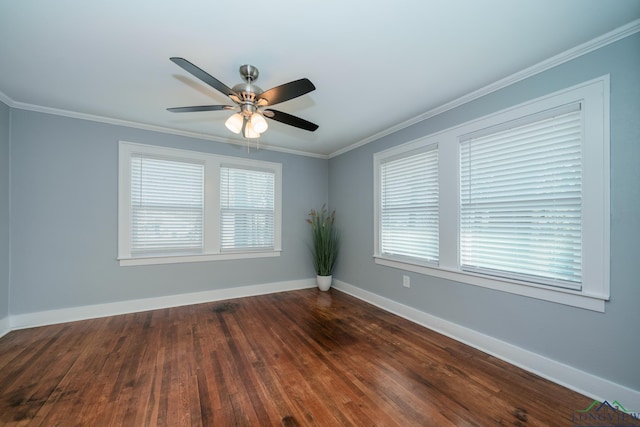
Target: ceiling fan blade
[(285, 92), (200, 108), (204, 76), (290, 120)]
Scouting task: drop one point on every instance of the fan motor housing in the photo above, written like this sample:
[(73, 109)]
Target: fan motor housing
[(249, 73), (247, 92)]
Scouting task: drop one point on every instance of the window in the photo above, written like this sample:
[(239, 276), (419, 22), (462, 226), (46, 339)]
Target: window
[(409, 206), (167, 206), (522, 200), (247, 212), (184, 206)]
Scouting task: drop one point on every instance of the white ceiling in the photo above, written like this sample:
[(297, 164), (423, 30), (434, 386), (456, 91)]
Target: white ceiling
[(375, 64)]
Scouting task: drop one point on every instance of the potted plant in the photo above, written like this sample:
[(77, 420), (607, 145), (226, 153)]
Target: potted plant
[(324, 249)]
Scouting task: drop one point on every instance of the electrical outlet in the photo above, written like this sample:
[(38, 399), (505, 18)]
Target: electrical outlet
[(406, 281)]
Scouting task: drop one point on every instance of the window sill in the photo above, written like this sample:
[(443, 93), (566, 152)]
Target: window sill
[(543, 292), (174, 259)]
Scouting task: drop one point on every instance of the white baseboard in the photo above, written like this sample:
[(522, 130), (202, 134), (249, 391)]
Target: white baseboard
[(5, 326), (560, 373), (72, 314)]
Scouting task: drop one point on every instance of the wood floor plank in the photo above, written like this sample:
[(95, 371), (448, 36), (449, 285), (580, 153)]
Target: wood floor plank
[(300, 358)]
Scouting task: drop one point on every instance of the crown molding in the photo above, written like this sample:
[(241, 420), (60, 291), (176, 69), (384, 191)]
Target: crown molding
[(144, 126), (6, 100), (566, 56)]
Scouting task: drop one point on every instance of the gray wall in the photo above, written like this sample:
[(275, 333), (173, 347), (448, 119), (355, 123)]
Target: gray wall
[(64, 207), (4, 210), (604, 344)]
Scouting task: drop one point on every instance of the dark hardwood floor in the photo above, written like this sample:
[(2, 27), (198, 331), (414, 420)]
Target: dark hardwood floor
[(295, 358)]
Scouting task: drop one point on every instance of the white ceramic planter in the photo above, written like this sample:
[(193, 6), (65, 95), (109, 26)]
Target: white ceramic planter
[(324, 282)]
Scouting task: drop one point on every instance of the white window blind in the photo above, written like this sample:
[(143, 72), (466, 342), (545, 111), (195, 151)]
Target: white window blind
[(521, 200), (167, 206), (247, 200), (409, 206)]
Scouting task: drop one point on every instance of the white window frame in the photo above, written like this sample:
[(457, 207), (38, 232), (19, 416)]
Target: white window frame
[(593, 97), (212, 162)]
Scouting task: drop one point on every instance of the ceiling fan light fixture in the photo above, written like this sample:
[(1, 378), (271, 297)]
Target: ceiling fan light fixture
[(250, 99), (234, 123), (249, 132), (258, 123)]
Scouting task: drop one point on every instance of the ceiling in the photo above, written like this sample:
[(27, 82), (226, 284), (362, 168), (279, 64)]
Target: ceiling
[(375, 64)]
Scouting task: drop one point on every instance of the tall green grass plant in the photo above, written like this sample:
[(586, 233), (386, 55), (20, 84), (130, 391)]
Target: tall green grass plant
[(325, 242)]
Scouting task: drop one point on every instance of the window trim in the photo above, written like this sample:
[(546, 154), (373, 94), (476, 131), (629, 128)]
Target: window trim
[(212, 162), (594, 98)]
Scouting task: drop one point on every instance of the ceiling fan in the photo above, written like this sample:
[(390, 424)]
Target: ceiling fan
[(250, 100)]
